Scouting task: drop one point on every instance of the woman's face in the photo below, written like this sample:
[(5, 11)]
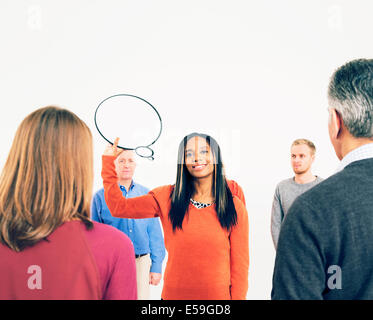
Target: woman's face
[(199, 158)]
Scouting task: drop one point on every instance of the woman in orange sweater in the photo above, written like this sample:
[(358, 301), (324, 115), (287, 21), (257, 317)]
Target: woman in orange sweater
[(204, 220)]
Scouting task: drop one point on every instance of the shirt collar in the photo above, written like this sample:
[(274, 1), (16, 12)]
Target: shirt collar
[(360, 153), (130, 188)]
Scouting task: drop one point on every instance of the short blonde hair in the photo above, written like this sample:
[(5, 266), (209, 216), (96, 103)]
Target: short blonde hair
[(47, 178), (308, 143)]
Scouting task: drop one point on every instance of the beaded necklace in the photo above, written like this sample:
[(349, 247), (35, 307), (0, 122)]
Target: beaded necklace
[(200, 205)]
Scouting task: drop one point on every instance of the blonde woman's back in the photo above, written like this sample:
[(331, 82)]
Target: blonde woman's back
[(49, 247)]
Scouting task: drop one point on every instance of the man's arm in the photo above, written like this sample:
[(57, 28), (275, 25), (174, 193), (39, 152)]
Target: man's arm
[(299, 271), (157, 249), (276, 217)]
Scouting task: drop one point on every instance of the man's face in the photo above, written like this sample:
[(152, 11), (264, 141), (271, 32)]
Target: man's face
[(125, 165), (301, 158)]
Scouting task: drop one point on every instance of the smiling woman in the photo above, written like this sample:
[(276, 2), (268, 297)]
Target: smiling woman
[(200, 177), (197, 155), (194, 235)]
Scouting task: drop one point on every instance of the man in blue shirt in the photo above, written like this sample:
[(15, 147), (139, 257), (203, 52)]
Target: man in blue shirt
[(145, 234)]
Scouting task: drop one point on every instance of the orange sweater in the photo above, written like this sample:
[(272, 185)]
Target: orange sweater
[(205, 262)]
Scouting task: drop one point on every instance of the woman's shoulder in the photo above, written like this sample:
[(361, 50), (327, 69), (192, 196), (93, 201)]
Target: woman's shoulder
[(236, 190), (233, 185), (105, 237), (114, 257), (239, 205)]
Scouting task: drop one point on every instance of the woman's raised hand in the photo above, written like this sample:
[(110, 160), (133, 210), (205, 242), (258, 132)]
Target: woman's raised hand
[(112, 149)]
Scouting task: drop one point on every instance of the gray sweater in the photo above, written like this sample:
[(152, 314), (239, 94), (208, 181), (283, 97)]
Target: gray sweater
[(285, 194), (325, 248)]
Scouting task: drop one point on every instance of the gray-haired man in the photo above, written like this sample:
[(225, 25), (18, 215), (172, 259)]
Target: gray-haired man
[(325, 248)]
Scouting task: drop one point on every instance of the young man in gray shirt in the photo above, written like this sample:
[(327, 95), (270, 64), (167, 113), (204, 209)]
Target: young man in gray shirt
[(302, 157)]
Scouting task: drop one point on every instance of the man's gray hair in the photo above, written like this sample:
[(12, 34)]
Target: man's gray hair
[(351, 94)]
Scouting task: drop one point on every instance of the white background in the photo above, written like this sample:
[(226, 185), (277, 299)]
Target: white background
[(253, 74)]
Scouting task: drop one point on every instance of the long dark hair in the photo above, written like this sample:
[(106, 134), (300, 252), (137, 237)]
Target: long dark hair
[(184, 187)]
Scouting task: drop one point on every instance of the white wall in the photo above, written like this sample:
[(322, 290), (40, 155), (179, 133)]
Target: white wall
[(253, 74)]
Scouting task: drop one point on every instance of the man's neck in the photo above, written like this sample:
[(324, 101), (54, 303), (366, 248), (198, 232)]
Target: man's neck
[(125, 183), (353, 143), (304, 178)]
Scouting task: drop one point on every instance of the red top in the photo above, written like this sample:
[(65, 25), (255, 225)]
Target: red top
[(205, 261), (73, 263)]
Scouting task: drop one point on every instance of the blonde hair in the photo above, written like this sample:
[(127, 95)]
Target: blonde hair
[(307, 143), (47, 178)]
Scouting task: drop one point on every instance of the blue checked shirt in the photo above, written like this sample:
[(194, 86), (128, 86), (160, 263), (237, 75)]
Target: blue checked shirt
[(361, 153), (145, 234)]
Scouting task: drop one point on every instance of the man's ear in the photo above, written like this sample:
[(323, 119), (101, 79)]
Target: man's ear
[(313, 157), (335, 123)]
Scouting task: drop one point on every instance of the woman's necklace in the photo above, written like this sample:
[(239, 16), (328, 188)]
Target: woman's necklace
[(200, 205)]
